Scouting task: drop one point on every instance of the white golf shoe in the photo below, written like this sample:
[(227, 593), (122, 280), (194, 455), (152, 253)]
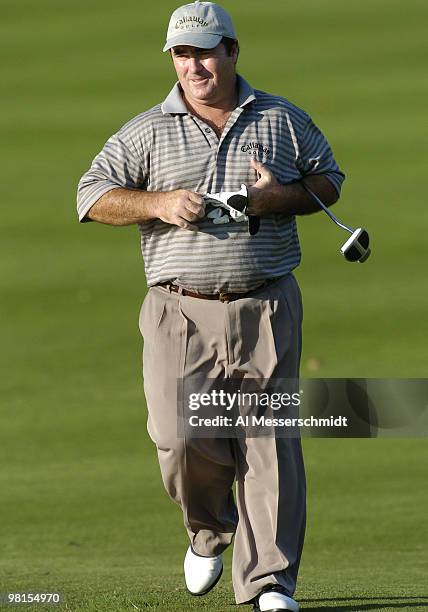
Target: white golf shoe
[(201, 573), (274, 599)]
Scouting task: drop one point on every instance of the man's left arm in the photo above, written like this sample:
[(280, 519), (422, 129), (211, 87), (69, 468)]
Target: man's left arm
[(267, 196), (318, 169)]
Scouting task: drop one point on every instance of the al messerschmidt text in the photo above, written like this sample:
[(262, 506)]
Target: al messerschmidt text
[(262, 421)]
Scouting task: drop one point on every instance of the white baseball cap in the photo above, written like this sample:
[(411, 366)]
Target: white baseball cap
[(199, 24)]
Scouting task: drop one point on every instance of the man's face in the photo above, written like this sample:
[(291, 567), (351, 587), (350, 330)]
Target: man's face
[(206, 75)]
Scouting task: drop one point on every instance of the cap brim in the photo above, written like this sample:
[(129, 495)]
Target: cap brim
[(204, 41)]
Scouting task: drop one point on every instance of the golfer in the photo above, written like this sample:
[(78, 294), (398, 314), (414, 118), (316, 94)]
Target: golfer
[(222, 301)]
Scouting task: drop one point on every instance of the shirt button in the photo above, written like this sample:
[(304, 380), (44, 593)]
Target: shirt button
[(207, 130)]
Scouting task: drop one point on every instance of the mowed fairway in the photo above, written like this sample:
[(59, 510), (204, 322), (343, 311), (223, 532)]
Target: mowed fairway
[(82, 507)]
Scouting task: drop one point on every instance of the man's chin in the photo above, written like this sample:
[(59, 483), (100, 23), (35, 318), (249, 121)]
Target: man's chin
[(202, 92)]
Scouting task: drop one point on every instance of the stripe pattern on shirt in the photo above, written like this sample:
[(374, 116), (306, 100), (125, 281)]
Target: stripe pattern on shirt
[(166, 148)]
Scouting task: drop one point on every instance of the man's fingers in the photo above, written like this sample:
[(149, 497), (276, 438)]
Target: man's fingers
[(191, 212), (196, 204), (183, 224), (195, 197), (181, 208), (261, 168), (256, 164), (265, 176), (196, 209)]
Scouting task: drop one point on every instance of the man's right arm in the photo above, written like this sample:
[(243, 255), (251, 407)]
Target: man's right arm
[(114, 189), (127, 206)]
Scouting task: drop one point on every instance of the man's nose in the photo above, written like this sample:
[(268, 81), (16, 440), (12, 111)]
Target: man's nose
[(194, 64)]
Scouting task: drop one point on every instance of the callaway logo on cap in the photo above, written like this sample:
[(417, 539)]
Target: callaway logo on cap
[(200, 24)]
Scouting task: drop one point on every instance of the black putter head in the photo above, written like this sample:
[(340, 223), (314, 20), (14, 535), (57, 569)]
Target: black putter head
[(356, 248), (240, 202)]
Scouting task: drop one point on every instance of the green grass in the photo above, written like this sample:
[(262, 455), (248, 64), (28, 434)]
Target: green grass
[(86, 515), (82, 506)]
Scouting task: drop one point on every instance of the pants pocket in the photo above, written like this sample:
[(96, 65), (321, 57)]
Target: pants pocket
[(151, 314)]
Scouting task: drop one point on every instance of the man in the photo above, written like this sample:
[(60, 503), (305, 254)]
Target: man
[(222, 304)]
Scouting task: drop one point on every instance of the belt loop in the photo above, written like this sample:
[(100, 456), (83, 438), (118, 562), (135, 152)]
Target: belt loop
[(179, 290)]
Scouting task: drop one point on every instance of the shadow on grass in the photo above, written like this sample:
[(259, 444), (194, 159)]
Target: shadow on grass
[(372, 603)]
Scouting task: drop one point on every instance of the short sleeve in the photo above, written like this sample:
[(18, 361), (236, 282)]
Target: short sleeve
[(316, 156), (117, 165)]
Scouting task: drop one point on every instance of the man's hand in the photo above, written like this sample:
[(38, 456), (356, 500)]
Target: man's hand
[(262, 193), (267, 196), (127, 206), (182, 208)]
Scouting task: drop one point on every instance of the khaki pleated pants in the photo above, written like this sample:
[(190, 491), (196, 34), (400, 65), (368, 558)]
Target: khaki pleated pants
[(256, 337)]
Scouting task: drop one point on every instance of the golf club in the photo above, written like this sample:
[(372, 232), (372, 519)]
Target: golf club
[(356, 248)]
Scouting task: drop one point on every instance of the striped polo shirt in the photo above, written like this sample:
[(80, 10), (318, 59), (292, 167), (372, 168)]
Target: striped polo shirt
[(167, 148)]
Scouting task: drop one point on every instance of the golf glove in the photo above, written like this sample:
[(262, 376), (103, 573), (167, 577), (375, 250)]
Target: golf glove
[(231, 205)]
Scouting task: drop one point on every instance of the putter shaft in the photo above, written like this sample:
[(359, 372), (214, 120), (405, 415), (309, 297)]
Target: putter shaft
[(325, 209)]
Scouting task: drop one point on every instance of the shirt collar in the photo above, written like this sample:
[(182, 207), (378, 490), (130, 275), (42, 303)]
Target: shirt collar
[(174, 102)]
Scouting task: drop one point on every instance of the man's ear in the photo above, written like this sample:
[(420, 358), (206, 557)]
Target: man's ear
[(235, 52)]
